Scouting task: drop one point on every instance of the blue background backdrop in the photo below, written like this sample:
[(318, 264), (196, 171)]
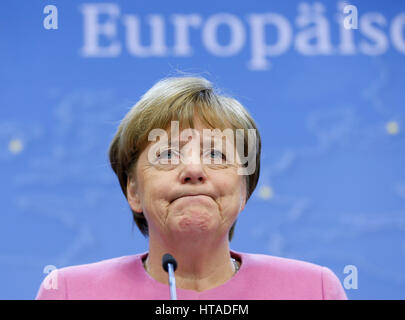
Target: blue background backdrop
[(332, 187)]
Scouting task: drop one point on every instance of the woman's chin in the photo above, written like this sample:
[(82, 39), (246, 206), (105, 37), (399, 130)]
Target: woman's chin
[(194, 224)]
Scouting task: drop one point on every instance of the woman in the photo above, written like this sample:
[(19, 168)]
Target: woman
[(187, 160)]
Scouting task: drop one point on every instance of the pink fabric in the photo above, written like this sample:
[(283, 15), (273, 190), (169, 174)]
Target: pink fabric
[(260, 277)]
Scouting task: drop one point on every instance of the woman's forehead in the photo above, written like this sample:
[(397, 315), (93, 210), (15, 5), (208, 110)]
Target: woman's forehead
[(198, 123)]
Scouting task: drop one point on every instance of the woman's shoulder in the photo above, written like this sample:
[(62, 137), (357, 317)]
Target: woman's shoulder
[(279, 264), (86, 280), (294, 276), (101, 268)]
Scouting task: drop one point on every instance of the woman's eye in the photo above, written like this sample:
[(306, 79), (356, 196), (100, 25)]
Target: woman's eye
[(215, 154), (167, 154)]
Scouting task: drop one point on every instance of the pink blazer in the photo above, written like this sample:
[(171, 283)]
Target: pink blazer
[(260, 277)]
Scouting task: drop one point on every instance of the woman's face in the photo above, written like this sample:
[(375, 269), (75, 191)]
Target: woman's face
[(188, 190)]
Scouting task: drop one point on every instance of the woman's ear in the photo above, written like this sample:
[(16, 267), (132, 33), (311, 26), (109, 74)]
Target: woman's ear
[(242, 203), (243, 197), (133, 197)]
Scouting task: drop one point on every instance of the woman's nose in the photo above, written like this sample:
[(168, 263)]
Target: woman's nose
[(193, 173)]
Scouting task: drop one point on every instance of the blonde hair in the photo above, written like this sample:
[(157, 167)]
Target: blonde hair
[(177, 99)]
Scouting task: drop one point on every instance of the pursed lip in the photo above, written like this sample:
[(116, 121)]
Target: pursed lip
[(191, 195)]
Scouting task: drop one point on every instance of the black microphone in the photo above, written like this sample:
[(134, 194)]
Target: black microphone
[(169, 264)]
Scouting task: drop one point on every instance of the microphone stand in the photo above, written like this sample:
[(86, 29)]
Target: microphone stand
[(172, 282)]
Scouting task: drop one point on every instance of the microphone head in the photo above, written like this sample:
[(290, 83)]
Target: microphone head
[(166, 259)]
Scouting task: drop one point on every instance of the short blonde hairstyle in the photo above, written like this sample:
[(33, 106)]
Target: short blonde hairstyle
[(179, 99)]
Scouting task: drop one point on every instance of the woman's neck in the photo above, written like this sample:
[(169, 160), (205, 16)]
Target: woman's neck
[(200, 266)]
